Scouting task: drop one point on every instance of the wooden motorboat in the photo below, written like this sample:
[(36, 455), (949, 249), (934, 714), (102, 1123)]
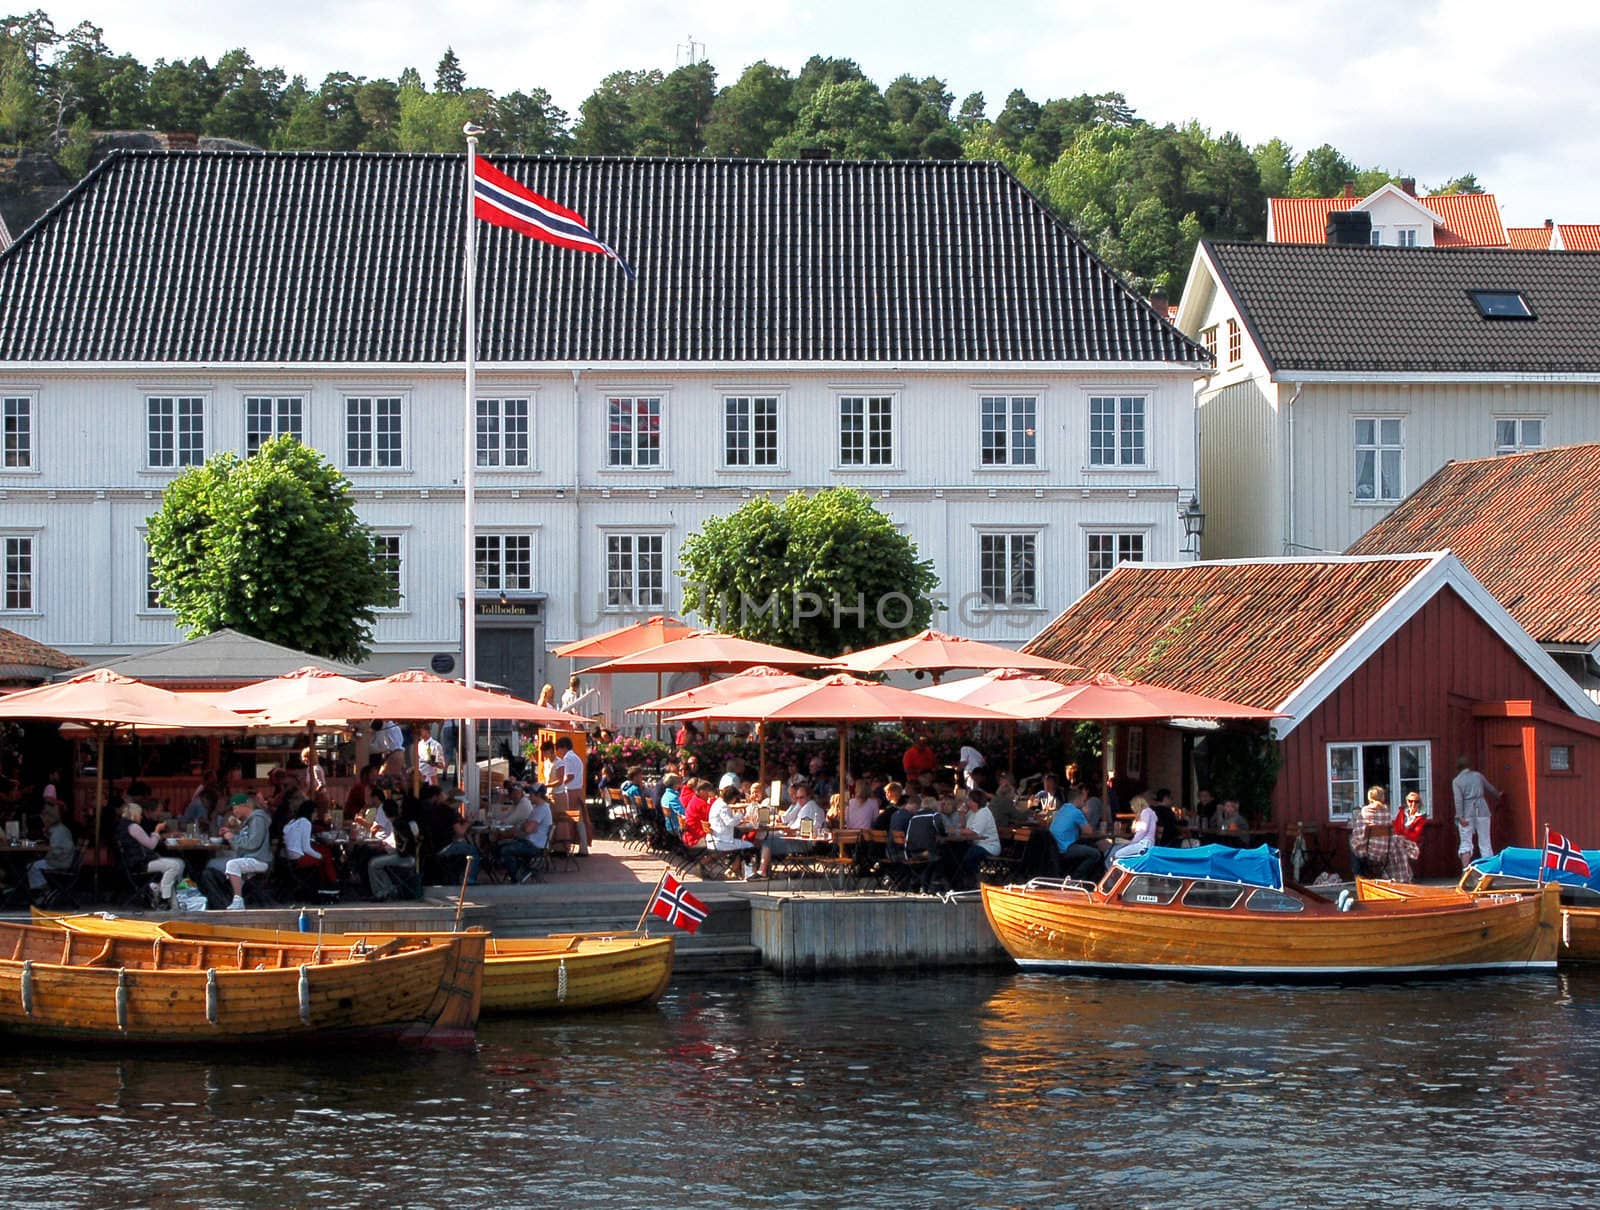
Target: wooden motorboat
[(559, 973), (74, 985), (1220, 912)]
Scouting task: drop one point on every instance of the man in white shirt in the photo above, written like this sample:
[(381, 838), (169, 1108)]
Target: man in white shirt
[(573, 772), (430, 757), (1472, 792), (390, 742), (803, 809), (970, 760), (982, 831)]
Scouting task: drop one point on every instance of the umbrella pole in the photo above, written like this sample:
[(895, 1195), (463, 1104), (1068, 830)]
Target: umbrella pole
[(658, 713), (99, 784), (843, 740), (1011, 757), (761, 739)]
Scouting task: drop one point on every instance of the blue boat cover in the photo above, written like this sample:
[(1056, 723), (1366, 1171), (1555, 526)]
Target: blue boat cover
[(1524, 863), (1252, 867)]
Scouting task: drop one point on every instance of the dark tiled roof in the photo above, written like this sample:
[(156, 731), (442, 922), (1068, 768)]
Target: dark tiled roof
[(311, 257), (1527, 525), (1407, 310), (16, 651), (1251, 632), (222, 657)]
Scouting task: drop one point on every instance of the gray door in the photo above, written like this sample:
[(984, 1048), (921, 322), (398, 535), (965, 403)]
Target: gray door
[(511, 656)]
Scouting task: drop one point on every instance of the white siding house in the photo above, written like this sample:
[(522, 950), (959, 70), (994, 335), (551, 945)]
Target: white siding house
[(1011, 405)]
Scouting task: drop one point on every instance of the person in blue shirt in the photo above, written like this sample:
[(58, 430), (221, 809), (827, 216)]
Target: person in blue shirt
[(672, 803), (1075, 856)]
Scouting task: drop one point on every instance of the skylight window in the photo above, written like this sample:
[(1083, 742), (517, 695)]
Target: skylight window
[(1501, 304)]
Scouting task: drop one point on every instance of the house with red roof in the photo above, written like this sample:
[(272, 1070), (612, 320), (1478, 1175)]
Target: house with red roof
[(1557, 237), (24, 662), (1398, 218), (1384, 668)]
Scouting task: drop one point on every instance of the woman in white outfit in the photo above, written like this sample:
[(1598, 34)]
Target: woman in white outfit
[(1145, 824)]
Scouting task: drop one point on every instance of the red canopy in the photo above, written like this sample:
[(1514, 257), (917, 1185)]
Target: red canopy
[(302, 685), (1106, 698), (842, 698), (1001, 685), (420, 695), (625, 640), (106, 698), (933, 651), (750, 682), (707, 651)]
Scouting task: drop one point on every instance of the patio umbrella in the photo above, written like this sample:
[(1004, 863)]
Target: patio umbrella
[(1107, 698), (1001, 685), (707, 651), (935, 652), (104, 700), (625, 640), (760, 679), (303, 684)]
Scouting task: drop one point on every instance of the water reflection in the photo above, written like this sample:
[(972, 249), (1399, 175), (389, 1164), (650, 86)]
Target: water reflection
[(967, 1090)]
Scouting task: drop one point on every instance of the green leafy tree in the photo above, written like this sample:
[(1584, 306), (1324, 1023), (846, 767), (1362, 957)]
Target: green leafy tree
[(378, 110), (77, 149), (919, 119), (249, 107), (1275, 165), (820, 70), (849, 121), (971, 114), (827, 573), (609, 120), (1321, 172), (1466, 183), (752, 113), (181, 94), (270, 546), (530, 123), (432, 121), (448, 77), (672, 115), (20, 108)]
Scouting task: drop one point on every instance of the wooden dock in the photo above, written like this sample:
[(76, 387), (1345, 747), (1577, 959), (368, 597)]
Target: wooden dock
[(813, 932)]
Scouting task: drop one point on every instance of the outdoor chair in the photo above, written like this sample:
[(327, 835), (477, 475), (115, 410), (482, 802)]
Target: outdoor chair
[(61, 886), (562, 850)]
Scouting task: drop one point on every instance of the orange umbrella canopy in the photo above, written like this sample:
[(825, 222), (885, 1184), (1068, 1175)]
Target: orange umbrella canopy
[(303, 684), (625, 640), (1106, 698), (842, 698), (107, 698), (707, 651), (750, 682), (934, 651), (1001, 685), (420, 695)]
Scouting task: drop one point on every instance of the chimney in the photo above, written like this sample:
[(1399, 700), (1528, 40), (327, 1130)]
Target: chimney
[(1158, 301), (1549, 223), (1349, 227), (1408, 186), (1349, 189)]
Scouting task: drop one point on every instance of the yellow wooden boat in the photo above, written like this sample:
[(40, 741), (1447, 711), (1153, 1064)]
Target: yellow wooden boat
[(1580, 925), (563, 972), (1199, 914), (82, 986)]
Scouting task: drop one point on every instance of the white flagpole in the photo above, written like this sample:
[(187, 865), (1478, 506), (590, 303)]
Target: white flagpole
[(467, 759)]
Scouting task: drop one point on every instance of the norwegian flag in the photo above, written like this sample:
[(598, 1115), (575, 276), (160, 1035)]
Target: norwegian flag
[(677, 907), (499, 200), (1560, 854)]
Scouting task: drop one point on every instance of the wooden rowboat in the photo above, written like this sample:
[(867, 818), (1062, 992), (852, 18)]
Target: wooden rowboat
[(72, 985), (560, 973), (1184, 917)]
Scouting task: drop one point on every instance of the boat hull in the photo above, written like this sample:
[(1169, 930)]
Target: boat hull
[(1580, 926), (1062, 930)]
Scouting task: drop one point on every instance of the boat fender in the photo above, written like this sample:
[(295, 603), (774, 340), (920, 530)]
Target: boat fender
[(305, 993), (1566, 928), (155, 953), (122, 997), (27, 988), (561, 982), (211, 995), (1343, 902)]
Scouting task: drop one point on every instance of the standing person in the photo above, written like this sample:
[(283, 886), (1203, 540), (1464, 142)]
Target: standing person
[(573, 695), (1472, 792), (430, 756), (968, 763), (1408, 825), (572, 789), (919, 758), (313, 776)]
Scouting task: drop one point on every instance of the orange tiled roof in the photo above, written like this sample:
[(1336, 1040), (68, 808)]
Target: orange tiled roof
[(1470, 219), (1250, 632), (1580, 237), (17, 651), (1529, 239), (1526, 525)]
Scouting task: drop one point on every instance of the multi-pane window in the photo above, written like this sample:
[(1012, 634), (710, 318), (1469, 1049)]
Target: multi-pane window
[(1235, 343), (1514, 434), (503, 433), (1380, 459), (1010, 430), (1116, 430), (372, 432), (633, 427), (635, 571), (504, 562), (1406, 237), (750, 430), (1107, 550), (152, 590), (16, 433), (175, 430), (866, 430), (269, 416), (1401, 769), (1209, 339), (18, 592), (1008, 569), (386, 552)]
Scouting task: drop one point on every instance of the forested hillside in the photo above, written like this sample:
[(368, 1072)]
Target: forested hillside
[(1140, 191)]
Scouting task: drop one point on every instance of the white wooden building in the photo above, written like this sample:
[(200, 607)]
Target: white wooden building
[(926, 332)]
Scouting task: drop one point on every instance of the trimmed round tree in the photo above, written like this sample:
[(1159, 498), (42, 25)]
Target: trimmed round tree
[(826, 573), (270, 546)]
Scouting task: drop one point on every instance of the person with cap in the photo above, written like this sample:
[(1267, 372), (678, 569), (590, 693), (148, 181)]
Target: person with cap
[(249, 837), (138, 851), (63, 849), (521, 855)]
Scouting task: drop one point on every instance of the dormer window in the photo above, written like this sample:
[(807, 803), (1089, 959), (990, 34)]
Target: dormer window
[(1501, 304)]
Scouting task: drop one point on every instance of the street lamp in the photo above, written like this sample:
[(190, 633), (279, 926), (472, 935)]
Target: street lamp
[(1194, 525)]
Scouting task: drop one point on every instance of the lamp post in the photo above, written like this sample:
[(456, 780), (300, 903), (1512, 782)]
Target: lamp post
[(1194, 525)]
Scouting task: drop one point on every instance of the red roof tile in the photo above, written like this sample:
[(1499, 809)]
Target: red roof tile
[(1470, 219), (1251, 632), (1529, 239), (17, 651), (1526, 525), (1580, 237)]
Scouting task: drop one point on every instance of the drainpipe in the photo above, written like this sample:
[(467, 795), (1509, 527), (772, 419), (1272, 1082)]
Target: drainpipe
[(576, 603), (1289, 546), (1201, 387)]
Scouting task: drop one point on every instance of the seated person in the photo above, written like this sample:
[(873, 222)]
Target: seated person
[(802, 808), (1075, 857), (519, 855), (1048, 799), (696, 797), (138, 850), (725, 823), (1230, 821), (248, 835), (461, 846), (198, 813), (1097, 811), (304, 853), (1145, 825), (981, 829), (1170, 831), (672, 803), (862, 809), (893, 796), (63, 849), (905, 809), (386, 871)]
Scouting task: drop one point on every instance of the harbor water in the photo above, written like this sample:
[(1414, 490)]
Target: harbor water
[(959, 1090)]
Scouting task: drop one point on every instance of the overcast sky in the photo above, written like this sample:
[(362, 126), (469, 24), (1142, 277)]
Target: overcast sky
[(1431, 89)]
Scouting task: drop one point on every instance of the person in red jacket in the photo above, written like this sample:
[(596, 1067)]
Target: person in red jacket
[(919, 758), (697, 797), (1408, 822)]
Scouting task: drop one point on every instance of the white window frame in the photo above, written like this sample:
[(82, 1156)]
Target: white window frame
[(1405, 237), (1012, 534), (176, 397), (1235, 342), (1119, 533), (276, 398), (866, 466), (32, 538), (634, 467), (1118, 396), (780, 434), (1520, 444), (146, 609), (1377, 449), (399, 537), (498, 404), (346, 398), (1010, 399), (1397, 786), (1208, 338), (31, 412), (500, 534), (633, 605)]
